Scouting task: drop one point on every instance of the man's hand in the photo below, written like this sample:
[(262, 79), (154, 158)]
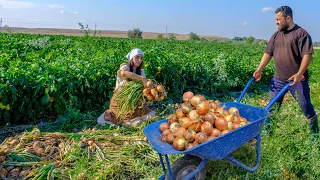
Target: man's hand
[(257, 75), (296, 79)]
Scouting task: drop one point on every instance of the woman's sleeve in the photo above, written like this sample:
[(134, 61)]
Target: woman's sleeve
[(142, 73), (123, 67)]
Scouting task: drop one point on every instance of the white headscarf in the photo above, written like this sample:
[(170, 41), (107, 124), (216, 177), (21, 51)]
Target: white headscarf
[(133, 53)]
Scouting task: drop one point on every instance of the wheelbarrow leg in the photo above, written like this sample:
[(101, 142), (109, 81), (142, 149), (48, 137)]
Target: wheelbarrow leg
[(229, 158), (163, 168)]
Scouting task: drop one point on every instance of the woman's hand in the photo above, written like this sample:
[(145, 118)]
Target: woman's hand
[(144, 80)]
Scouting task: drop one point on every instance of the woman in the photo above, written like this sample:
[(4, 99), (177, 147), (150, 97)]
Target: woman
[(128, 71)]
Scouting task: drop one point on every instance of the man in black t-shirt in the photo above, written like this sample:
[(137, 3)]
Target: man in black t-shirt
[(291, 47)]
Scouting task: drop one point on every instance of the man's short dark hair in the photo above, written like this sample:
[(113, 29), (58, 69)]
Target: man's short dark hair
[(285, 10)]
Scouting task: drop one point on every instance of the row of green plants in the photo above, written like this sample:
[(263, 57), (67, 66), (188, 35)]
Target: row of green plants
[(44, 75)]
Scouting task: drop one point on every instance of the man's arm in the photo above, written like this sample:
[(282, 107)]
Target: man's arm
[(303, 67), (263, 63)]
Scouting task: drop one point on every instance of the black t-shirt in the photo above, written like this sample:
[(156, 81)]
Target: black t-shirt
[(288, 48)]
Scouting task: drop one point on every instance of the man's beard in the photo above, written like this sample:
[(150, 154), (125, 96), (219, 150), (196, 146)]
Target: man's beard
[(283, 27)]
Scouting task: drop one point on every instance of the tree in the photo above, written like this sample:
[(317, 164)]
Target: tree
[(193, 37), (135, 33), (263, 42), (250, 40), (171, 36), (86, 29), (160, 36), (9, 29)]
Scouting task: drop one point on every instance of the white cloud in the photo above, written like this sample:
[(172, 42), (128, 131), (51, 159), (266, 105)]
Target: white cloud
[(245, 24), (267, 9), (18, 15), (62, 11), (12, 4), (54, 6), (75, 12)]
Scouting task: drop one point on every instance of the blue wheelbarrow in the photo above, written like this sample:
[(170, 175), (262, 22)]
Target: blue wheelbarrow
[(192, 164)]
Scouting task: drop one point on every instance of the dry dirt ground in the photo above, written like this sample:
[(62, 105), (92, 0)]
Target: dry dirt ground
[(104, 33)]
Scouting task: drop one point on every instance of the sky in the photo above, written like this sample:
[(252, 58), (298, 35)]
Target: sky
[(229, 18)]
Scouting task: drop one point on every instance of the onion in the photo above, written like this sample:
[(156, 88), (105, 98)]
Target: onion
[(206, 127), (195, 143), (187, 96), (149, 84), (188, 135), (210, 118), (180, 114), (2, 158), (213, 105), (242, 124), (179, 132), (164, 126), (236, 119), (233, 110), (146, 91), (161, 98), (155, 94), (172, 118), (230, 125), (220, 110), (195, 100), (193, 115), (160, 88), (201, 137), (211, 137), (201, 97), (229, 117), (186, 107), (195, 126), (14, 172), (179, 143), (221, 123), (184, 122), (215, 132), (235, 126), (225, 132), (242, 119), (149, 97), (3, 172), (163, 138), (189, 146), (174, 126), (203, 108), (170, 138), (166, 132)]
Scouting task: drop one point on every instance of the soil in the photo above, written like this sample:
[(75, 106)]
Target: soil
[(103, 33)]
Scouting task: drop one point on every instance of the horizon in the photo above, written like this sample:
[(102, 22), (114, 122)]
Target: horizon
[(205, 18)]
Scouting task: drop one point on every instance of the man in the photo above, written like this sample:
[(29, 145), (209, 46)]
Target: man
[(291, 47)]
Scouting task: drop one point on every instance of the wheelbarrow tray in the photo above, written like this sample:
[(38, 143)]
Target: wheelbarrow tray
[(220, 147)]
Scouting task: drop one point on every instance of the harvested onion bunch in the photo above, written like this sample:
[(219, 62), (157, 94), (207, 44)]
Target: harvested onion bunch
[(154, 91)]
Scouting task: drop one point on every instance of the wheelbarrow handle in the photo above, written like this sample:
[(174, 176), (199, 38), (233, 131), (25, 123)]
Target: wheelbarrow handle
[(245, 89), (273, 100)]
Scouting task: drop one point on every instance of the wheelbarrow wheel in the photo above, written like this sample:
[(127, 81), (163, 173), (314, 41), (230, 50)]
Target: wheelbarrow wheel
[(184, 166)]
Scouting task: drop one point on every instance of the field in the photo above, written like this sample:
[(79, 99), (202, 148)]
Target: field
[(67, 82), (102, 33)]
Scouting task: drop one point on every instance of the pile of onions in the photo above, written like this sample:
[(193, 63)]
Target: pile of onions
[(198, 120), (154, 91)]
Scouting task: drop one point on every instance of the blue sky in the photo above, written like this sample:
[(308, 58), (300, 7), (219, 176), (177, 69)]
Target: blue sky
[(204, 17)]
